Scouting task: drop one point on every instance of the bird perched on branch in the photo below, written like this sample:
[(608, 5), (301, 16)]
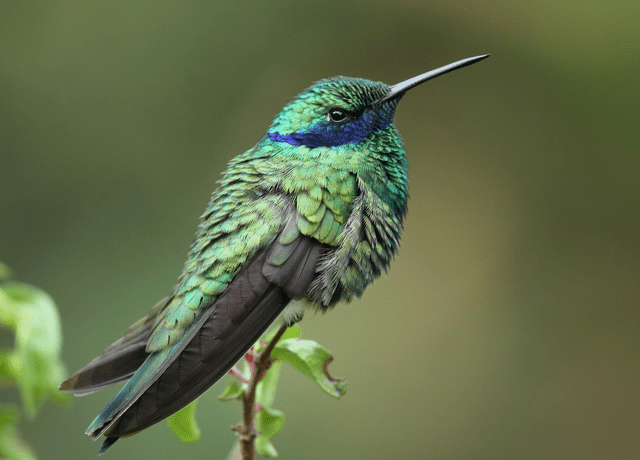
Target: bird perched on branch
[(312, 213)]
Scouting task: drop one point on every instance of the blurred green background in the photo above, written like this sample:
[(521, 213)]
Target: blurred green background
[(509, 325)]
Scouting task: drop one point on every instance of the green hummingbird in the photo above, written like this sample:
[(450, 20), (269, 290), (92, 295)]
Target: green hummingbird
[(309, 216)]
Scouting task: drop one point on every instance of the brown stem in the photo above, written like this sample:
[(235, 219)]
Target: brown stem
[(245, 431)]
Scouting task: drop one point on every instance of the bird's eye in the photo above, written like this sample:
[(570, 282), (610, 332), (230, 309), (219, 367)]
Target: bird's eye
[(337, 116)]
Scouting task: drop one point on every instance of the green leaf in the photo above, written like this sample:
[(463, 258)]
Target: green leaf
[(234, 391), (9, 415), (292, 332), (11, 445), (183, 423), (266, 388), (269, 422), (34, 363), (312, 359), (6, 373)]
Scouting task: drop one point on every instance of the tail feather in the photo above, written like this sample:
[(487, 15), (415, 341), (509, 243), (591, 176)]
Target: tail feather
[(106, 445), (155, 364), (118, 362), (114, 365), (239, 317), (96, 376), (202, 363), (162, 382)]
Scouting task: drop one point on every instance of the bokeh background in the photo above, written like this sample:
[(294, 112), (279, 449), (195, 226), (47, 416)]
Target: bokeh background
[(508, 326)]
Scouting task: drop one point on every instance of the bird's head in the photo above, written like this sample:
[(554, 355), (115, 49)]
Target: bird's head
[(343, 111), (334, 112)]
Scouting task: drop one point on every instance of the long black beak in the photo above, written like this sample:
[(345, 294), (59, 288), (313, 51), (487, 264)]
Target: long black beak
[(401, 88)]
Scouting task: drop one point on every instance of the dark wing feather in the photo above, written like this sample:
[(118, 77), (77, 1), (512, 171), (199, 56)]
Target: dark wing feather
[(235, 321), (292, 264), (119, 361), (114, 368)]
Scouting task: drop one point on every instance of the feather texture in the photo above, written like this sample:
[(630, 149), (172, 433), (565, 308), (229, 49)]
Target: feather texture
[(313, 213), (171, 378), (119, 361)]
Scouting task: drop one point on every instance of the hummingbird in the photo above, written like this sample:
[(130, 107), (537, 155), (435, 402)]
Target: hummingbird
[(308, 217)]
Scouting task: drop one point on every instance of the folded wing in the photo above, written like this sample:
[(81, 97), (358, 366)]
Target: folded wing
[(169, 379)]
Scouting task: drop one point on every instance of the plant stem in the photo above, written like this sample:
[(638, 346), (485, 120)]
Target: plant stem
[(245, 431)]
